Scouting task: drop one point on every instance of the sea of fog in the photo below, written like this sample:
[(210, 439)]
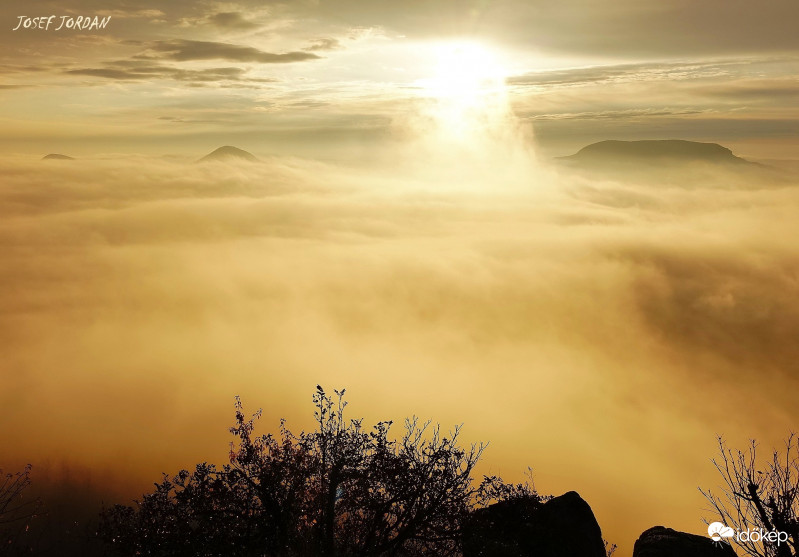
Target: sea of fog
[(602, 330)]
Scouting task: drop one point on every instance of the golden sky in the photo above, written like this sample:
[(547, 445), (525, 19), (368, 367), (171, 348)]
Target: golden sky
[(170, 77), (405, 235)]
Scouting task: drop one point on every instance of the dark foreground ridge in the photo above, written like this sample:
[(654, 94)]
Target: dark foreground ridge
[(57, 157), (564, 526), (654, 151), (229, 153), (660, 541)]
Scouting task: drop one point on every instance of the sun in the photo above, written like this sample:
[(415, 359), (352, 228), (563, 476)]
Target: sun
[(465, 92), (467, 130), (463, 72)]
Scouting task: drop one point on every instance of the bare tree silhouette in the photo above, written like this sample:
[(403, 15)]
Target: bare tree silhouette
[(760, 495), (15, 509)]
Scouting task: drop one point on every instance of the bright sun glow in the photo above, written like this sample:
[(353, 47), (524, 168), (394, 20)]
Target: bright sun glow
[(464, 71), (466, 115), (467, 86)]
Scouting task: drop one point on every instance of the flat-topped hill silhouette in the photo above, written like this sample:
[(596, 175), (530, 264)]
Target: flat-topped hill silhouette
[(654, 151), (671, 162), (57, 157), (229, 153)]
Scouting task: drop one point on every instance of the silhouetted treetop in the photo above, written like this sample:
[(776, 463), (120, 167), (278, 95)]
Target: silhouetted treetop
[(340, 490)]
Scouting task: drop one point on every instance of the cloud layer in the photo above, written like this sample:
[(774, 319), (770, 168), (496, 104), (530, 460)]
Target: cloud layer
[(601, 332)]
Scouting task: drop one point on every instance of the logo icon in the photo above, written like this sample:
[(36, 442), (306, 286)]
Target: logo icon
[(718, 532)]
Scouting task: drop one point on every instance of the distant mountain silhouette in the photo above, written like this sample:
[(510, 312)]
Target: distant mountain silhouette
[(668, 151), (654, 151), (58, 157), (228, 153)]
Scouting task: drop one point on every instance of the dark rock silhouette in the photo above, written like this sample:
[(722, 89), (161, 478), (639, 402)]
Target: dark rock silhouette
[(669, 150), (665, 542), (564, 526), (56, 156), (229, 153)]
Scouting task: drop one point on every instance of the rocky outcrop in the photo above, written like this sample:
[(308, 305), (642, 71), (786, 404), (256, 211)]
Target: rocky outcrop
[(665, 542), (564, 526)]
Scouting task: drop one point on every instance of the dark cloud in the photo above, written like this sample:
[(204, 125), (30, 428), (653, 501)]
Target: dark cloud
[(162, 72), (180, 120), (16, 69), (309, 104), (126, 12), (701, 128), (323, 44), (601, 74), (766, 91), (644, 28), (639, 72), (625, 115), (231, 20), (182, 50), (140, 70), (112, 74)]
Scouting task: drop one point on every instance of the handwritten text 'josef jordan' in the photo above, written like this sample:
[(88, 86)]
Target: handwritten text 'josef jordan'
[(57, 23)]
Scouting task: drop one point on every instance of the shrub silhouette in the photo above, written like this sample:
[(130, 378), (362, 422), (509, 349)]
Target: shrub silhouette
[(341, 490)]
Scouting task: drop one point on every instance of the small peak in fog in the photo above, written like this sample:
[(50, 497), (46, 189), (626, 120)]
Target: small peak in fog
[(228, 153), (57, 157)]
